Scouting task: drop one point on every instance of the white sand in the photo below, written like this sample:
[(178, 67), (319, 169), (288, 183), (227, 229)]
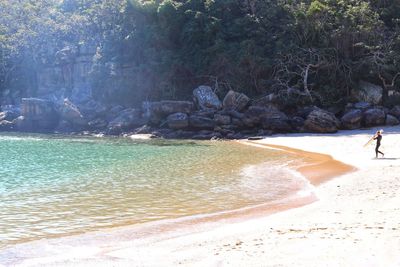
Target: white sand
[(356, 222)]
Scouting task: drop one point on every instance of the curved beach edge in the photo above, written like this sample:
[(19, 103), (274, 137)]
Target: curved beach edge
[(354, 223)]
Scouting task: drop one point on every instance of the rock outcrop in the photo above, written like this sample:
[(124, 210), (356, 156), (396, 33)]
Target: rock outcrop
[(178, 120), (321, 121), (368, 92), (352, 119), (374, 117), (201, 122), (38, 115), (71, 113), (391, 120), (128, 119), (205, 98), (235, 101)]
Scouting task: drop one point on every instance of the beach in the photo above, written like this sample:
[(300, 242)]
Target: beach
[(355, 220)]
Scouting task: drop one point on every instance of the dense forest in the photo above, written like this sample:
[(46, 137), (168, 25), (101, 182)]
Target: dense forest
[(165, 49)]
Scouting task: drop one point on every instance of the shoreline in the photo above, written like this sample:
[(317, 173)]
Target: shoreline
[(317, 167), (343, 228)]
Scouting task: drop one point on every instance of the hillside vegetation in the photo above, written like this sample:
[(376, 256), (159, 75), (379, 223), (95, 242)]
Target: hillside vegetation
[(323, 48)]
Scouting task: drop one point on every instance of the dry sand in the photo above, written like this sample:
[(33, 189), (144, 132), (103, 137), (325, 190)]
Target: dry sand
[(355, 222)]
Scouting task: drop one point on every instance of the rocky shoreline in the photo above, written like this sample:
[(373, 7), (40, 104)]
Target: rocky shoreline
[(206, 117)]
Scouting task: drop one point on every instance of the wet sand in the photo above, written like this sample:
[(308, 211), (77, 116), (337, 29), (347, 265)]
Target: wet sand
[(317, 167)]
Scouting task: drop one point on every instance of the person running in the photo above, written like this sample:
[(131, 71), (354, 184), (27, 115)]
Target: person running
[(378, 138)]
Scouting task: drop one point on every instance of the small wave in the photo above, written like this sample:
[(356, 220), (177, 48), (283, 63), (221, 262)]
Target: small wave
[(274, 181)]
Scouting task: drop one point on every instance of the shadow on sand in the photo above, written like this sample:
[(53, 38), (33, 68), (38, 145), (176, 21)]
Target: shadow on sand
[(386, 158)]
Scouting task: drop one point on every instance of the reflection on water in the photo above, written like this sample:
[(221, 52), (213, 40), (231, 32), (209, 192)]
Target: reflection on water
[(54, 185)]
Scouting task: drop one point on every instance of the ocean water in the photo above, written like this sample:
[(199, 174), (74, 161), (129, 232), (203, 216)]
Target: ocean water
[(53, 186)]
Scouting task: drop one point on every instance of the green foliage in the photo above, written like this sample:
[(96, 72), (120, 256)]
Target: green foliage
[(166, 48)]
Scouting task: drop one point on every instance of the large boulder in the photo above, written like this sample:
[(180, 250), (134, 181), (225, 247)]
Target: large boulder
[(126, 120), (38, 115), (368, 92), (276, 121), (303, 112), (352, 119), (391, 120), (235, 101), (374, 117), (71, 113), (200, 122), (321, 121), (296, 123), (395, 111), (205, 98), (178, 120)]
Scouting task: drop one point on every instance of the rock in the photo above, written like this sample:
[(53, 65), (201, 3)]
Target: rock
[(9, 115), (185, 134), (64, 126), (209, 113), (207, 136), (235, 101), (71, 113), (233, 114), (222, 119), (229, 127), (266, 100), (97, 124), (395, 111), (206, 98), (254, 113), (6, 125), (94, 109), (362, 105), (200, 122), (297, 123), (352, 119), (321, 121), (374, 117), (223, 131), (305, 111), (145, 129), (168, 107), (155, 112), (126, 120), (368, 92), (114, 112), (237, 122), (391, 120), (162, 132), (178, 120), (250, 122), (38, 115), (276, 121)]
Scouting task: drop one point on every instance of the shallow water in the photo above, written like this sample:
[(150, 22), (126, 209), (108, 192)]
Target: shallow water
[(55, 185)]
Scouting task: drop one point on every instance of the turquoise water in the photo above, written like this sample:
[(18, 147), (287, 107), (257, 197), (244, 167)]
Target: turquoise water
[(53, 186)]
